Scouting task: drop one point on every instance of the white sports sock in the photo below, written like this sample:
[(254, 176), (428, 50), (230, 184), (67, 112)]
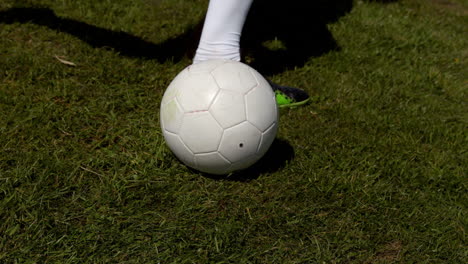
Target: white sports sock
[(222, 30)]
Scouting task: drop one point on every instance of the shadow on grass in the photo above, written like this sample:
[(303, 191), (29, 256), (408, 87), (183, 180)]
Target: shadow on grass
[(300, 25), (280, 153), (298, 28), (121, 42)]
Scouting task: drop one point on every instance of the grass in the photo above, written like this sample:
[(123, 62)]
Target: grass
[(372, 171)]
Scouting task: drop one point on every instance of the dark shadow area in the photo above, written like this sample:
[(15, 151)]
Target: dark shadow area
[(275, 159), (118, 41), (300, 26)]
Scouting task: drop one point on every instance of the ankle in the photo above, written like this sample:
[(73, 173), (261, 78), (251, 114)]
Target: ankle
[(216, 50)]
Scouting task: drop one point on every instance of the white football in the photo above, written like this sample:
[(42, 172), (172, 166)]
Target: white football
[(219, 116)]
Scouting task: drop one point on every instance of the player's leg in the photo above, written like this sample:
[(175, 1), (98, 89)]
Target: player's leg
[(222, 30), (220, 40)]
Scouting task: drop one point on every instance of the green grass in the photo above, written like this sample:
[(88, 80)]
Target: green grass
[(372, 171)]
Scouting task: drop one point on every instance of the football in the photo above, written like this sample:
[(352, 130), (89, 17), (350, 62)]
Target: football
[(219, 116)]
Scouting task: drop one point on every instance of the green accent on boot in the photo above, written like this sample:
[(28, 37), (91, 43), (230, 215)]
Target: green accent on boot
[(283, 101)]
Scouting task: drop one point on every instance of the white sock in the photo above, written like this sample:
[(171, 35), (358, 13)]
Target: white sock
[(222, 30)]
